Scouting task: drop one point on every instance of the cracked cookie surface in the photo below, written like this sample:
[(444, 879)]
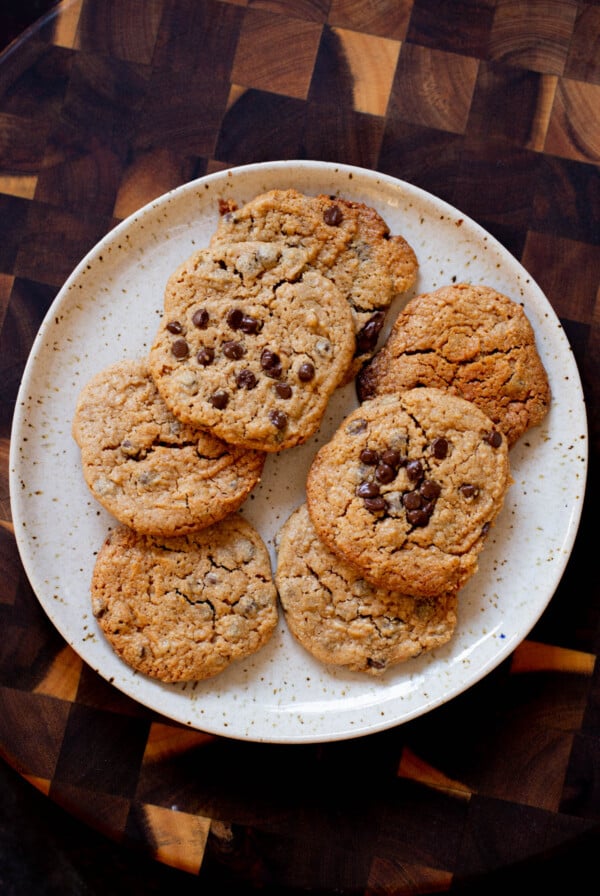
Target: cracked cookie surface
[(408, 487), (258, 366), (342, 619), (347, 241), (152, 472), (472, 341), (185, 608)]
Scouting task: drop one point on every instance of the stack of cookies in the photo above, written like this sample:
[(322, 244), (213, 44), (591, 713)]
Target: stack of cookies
[(258, 330), (400, 501)]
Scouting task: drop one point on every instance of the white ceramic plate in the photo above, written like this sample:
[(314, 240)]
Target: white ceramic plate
[(110, 308)]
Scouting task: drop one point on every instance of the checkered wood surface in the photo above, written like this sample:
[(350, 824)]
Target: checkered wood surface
[(492, 105)]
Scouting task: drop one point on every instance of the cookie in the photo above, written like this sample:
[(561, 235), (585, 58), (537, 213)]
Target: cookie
[(343, 620), (371, 271), (407, 489), (185, 608), (347, 241), (315, 225), (472, 341), (257, 368), (150, 470)]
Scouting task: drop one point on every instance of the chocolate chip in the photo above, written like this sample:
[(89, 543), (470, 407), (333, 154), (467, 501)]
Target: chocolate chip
[(246, 379), (333, 215), (306, 372), (283, 390), (271, 363), (369, 457), (234, 350), (430, 489), (180, 348), (219, 399), (249, 324), (174, 327), (468, 490), (414, 470), (205, 356), (411, 500), (355, 427), (367, 490), (375, 504), (234, 318), (278, 418), (366, 338), (200, 318), (269, 359), (493, 438), (384, 473), (392, 458), (376, 664), (417, 517), (439, 448)]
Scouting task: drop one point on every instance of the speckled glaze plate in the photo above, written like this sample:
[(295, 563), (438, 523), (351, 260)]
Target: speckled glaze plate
[(109, 309)]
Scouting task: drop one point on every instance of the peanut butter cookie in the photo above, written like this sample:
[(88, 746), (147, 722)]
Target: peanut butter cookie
[(152, 472), (185, 608), (340, 618), (472, 341)]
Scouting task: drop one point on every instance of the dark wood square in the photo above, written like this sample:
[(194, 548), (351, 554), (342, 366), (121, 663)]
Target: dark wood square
[(388, 18), (462, 26), (533, 34), (259, 126)]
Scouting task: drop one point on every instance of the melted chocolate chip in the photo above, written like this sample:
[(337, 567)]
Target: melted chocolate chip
[(174, 327), (417, 517), (205, 356), (468, 490), (369, 457), (356, 426), (384, 473), (249, 324), (367, 490), (246, 379), (392, 458), (200, 318), (411, 500), (414, 470), (180, 348), (375, 504), (271, 363), (283, 390), (234, 318), (430, 490), (278, 418), (366, 338), (493, 438), (333, 215), (439, 448), (234, 350), (306, 372), (219, 399)]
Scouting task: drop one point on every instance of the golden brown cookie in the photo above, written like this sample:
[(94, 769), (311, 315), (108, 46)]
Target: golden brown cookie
[(185, 608), (407, 489), (152, 472), (347, 241), (256, 365), (340, 618), (472, 341)]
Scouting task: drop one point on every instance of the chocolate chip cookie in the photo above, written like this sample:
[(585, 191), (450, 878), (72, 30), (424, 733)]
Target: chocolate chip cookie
[(150, 470), (185, 608), (407, 489), (347, 241), (258, 367), (342, 619), (472, 341)]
